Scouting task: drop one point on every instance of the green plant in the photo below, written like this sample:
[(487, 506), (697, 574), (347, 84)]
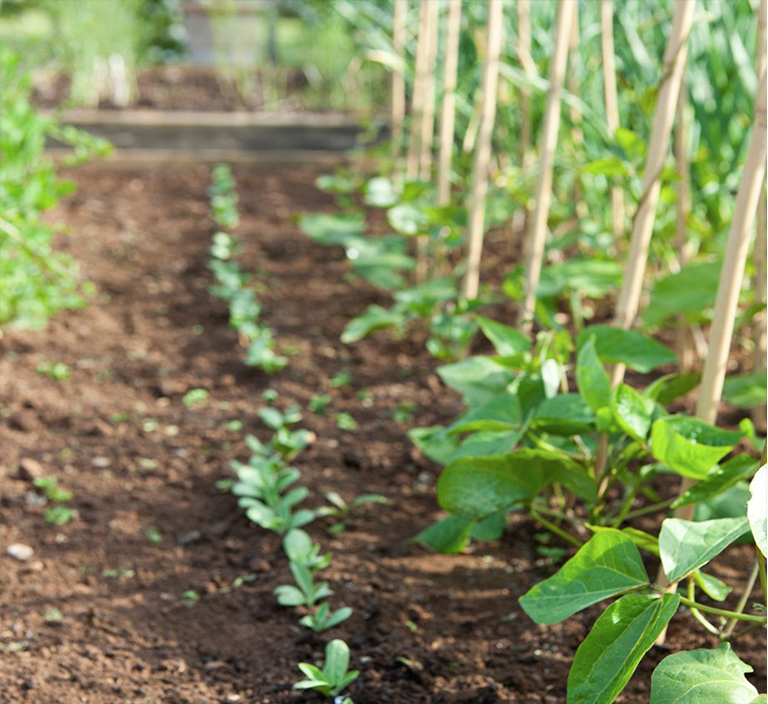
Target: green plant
[(339, 509), (55, 370), (340, 380), (323, 618), (194, 397), (57, 515), (345, 421), (333, 677), (319, 403), (306, 592), (286, 442), (300, 549)]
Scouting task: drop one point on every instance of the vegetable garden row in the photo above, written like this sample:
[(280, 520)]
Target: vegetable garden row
[(590, 375)]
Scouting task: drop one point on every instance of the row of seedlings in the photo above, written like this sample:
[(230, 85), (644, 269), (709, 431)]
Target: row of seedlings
[(232, 283), (265, 489)]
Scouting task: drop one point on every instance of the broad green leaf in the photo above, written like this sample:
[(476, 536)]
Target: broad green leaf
[(594, 384), (328, 229), (697, 676), (499, 413), (435, 443), (449, 535), (718, 479), (607, 565), (691, 291), (611, 652), (746, 390), (632, 411), (492, 528), (632, 144), (731, 503), (487, 443), (566, 414), (374, 318), (590, 277), (380, 192), (689, 446), (688, 545), (408, 219), (336, 660), (756, 508), (612, 166), (644, 541), (671, 386), (476, 487), (629, 347), (505, 340), (476, 378)]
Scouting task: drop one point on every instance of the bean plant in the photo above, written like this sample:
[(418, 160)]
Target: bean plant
[(334, 676)]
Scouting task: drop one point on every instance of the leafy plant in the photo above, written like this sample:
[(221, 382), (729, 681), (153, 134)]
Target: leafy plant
[(194, 397), (58, 515), (345, 421), (340, 510), (334, 676), (323, 618), (55, 370), (306, 592), (318, 403)]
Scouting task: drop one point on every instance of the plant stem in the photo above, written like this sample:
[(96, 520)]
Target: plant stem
[(555, 529), (744, 598), (722, 612), (697, 614), (761, 564), (624, 512), (661, 505)]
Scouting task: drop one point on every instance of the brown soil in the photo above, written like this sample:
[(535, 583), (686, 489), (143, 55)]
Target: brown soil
[(426, 628), (179, 87)]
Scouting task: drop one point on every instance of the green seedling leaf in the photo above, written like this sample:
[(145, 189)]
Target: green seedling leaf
[(505, 340), (687, 545), (380, 192), (689, 292), (633, 412), (607, 565), (408, 219), (318, 403), (340, 379), (756, 509), (617, 346), (449, 535), (477, 379), (690, 446), (272, 418), (611, 652), (746, 390), (344, 421), (194, 397), (332, 229), (697, 676), (288, 595), (612, 166), (594, 384), (566, 414), (492, 528), (59, 515), (500, 412), (720, 478)]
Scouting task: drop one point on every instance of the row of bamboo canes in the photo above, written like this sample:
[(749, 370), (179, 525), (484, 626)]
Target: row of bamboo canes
[(669, 105)]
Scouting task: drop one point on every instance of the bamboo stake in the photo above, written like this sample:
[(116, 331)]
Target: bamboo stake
[(731, 279), (526, 62), (483, 150), (759, 328), (566, 11), (398, 77), (448, 113), (417, 101), (577, 134), (611, 105), (674, 61), (428, 113)]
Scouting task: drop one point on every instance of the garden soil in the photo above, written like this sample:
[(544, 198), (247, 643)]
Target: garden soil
[(161, 590)]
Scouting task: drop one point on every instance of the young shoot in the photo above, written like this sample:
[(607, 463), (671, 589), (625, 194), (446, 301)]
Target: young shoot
[(333, 677), (306, 592)]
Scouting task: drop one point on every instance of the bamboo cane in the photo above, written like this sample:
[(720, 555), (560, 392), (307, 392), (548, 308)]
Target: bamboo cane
[(566, 11), (674, 61), (398, 77), (526, 63), (729, 288), (483, 151), (448, 112), (611, 105), (417, 101), (577, 134), (428, 113), (759, 328)]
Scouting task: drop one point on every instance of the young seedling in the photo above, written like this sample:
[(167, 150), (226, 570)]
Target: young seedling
[(340, 379), (345, 421), (306, 592), (340, 509), (194, 397), (286, 442), (300, 550), (334, 676), (55, 370), (57, 515), (319, 403), (324, 618)]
